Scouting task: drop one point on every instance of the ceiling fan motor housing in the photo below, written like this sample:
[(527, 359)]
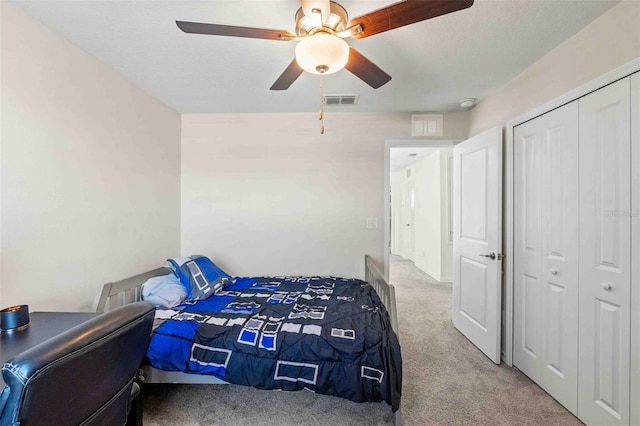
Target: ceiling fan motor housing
[(312, 23)]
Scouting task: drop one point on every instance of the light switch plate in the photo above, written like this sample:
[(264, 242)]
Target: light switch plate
[(372, 223)]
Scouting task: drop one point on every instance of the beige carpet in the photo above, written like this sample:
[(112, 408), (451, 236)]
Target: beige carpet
[(447, 381)]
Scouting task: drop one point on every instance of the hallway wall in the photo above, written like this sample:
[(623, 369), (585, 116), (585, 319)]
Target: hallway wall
[(432, 252)]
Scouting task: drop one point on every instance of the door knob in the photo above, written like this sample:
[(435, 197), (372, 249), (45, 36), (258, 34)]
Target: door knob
[(554, 272), (607, 286), (493, 256)]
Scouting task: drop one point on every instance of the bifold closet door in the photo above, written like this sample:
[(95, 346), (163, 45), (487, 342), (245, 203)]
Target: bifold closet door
[(635, 248), (605, 255), (546, 252)]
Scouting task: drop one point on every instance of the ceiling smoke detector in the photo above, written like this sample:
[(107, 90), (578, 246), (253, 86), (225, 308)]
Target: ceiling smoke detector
[(467, 103)]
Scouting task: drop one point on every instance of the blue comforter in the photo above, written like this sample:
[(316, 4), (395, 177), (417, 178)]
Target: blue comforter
[(328, 335)]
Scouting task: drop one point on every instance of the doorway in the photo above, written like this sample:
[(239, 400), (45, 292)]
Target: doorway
[(418, 205)]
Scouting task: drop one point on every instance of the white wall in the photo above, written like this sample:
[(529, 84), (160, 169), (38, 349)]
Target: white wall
[(427, 223), (266, 194), (396, 180), (446, 260), (611, 40), (1, 304), (90, 172)]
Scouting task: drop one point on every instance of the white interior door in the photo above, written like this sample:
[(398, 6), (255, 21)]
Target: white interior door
[(605, 255), (412, 220), (477, 240), (395, 221), (546, 247), (408, 218)]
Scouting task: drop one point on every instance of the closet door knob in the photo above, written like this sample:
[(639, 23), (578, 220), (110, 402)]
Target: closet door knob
[(554, 272), (606, 286)]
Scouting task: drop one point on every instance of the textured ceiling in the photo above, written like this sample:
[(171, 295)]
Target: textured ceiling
[(400, 158), (434, 64)]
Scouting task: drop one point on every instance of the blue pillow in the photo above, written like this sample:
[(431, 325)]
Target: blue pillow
[(200, 276)]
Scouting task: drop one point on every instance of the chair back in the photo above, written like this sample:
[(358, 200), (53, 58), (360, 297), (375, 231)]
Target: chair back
[(82, 376)]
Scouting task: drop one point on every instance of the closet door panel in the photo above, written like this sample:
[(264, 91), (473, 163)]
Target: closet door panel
[(528, 243), (546, 256), (560, 256), (605, 233), (635, 249), (555, 304), (560, 261)]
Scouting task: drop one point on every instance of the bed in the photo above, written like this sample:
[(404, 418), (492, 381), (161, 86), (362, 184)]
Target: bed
[(330, 335)]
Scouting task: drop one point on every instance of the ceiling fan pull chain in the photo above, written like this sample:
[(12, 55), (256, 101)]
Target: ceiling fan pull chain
[(321, 115)]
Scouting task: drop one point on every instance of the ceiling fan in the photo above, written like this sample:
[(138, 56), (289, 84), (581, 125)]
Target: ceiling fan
[(322, 26)]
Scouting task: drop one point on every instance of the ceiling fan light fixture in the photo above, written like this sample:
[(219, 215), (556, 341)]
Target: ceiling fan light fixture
[(322, 53)]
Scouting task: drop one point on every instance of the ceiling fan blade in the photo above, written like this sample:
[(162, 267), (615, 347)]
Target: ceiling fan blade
[(366, 70), (233, 31), (287, 78), (404, 13)]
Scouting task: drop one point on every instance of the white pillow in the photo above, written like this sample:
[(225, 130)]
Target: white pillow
[(165, 291)]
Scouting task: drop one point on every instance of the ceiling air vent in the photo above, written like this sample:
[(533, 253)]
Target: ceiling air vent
[(340, 99)]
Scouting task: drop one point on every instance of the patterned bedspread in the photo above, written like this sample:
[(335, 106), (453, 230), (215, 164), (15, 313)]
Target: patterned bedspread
[(324, 334)]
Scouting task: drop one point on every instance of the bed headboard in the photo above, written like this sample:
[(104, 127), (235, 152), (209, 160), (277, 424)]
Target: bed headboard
[(128, 290)]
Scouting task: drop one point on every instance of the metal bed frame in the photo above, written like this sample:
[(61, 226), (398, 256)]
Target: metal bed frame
[(129, 290)]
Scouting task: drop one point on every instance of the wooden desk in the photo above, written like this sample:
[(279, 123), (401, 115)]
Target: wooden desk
[(42, 326)]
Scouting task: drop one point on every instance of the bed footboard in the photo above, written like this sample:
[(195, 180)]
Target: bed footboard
[(386, 291), (387, 294)]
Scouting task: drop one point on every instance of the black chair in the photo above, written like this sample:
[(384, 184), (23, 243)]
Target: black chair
[(84, 376)]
